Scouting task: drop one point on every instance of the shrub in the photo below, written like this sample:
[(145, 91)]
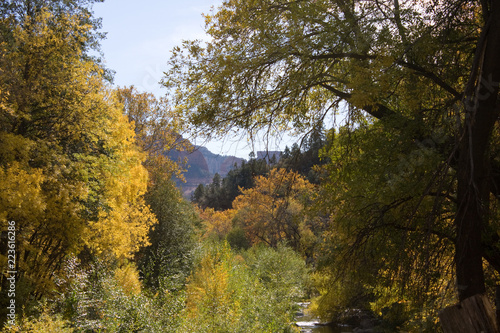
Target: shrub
[(103, 298), (252, 292), (45, 321)]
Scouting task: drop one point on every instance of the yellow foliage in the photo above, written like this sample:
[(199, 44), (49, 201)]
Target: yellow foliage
[(208, 289), (127, 277), (71, 173), (124, 223), (14, 148), (44, 323), (274, 210), (217, 223), (21, 196)]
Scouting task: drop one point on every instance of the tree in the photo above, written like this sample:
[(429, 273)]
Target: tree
[(167, 261), (71, 173), (217, 224), (199, 195), (156, 129), (391, 220), (274, 210), (275, 63), (220, 194), (474, 175), (307, 158)]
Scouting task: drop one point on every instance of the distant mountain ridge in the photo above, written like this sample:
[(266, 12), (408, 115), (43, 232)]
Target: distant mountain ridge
[(220, 164), (201, 166)]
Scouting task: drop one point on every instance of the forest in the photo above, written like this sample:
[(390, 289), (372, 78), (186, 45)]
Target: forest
[(386, 217)]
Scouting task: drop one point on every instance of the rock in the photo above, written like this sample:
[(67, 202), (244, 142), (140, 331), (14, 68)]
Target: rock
[(366, 323), (363, 330)]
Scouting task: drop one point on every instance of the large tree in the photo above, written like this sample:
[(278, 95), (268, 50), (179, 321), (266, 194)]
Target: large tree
[(274, 210), (166, 262), (71, 175), (428, 68)]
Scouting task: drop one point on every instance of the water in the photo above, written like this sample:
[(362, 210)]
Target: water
[(309, 324), (325, 329)]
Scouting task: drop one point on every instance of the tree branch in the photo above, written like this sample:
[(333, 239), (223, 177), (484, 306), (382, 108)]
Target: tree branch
[(436, 79), (376, 110)]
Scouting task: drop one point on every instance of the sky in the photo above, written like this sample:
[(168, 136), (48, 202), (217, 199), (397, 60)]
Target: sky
[(140, 36)]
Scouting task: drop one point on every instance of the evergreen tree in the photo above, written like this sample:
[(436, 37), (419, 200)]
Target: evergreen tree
[(220, 194)]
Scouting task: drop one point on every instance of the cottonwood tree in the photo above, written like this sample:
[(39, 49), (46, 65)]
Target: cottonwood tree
[(71, 173), (274, 210), (424, 67), (156, 129)]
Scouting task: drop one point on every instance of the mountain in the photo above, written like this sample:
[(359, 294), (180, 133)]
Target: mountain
[(220, 164), (201, 166)]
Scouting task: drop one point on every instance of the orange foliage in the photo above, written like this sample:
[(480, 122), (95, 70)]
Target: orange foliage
[(218, 223), (273, 211)]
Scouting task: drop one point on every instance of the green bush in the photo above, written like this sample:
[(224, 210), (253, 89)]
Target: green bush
[(282, 271), (168, 260), (256, 291), (237, 239), (95, 300)]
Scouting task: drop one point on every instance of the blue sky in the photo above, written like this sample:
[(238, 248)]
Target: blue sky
[(140, 36)]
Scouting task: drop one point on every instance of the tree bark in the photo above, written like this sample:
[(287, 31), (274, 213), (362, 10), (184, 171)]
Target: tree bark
[(473, 315)]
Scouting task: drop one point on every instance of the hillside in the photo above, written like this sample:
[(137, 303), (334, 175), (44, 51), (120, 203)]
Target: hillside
[(201, 166)]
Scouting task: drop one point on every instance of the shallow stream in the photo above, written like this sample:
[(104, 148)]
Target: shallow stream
[(309, 324)]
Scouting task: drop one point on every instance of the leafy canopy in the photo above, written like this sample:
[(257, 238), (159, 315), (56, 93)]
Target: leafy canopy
[(71, 173)]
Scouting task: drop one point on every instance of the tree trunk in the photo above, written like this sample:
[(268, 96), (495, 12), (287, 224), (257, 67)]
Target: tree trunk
[(481, 113), (473, 315)]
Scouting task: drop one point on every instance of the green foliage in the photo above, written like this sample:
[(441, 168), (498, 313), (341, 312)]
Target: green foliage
[(96, 298), (237, 239), (337, 296), (221, 192), (306, 158), (403, 201), (300, 59), (255, 291), (282, 271), (166, 263), (391, 236)]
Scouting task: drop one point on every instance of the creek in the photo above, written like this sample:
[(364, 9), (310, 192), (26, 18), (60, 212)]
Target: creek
[(310, 324)]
